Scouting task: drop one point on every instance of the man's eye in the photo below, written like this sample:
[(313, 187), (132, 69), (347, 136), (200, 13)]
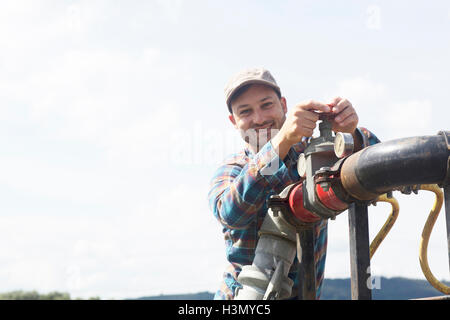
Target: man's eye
[(244, 112), (267, 105)]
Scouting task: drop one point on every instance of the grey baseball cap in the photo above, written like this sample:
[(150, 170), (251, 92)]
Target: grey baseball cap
[(249, 76)]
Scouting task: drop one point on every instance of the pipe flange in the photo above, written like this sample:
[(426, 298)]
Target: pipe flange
[(446, 135)]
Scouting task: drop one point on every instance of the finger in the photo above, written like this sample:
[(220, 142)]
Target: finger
[(308, 132), (311, 115), (313, 105), (348, 111), (305, 123), (308, 124), (334, 101), (341, 105), (306, 115), (352, 119)]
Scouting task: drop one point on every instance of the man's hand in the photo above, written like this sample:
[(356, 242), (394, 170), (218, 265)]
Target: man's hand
[(300, 122), (346, 119)]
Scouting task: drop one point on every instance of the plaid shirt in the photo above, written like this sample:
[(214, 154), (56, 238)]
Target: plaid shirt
[(238, 199)]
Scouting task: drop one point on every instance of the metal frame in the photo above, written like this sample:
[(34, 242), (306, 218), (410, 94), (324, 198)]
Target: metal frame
[(447, 217), (359, 251), (307, 268)]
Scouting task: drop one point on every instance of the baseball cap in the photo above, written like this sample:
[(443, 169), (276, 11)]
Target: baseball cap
[(249, 76)]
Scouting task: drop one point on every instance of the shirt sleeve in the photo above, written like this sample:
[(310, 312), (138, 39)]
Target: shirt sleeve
[(367, 137), (239, 188)]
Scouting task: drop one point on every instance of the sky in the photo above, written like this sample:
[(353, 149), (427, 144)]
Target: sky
[(113, 121)]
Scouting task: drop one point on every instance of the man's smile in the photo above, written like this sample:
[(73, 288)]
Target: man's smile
[(268, 125)]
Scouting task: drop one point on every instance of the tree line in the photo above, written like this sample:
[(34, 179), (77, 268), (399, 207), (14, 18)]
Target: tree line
[(34, 295)]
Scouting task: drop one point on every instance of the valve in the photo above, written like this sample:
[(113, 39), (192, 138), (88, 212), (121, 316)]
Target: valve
[(320, 165)]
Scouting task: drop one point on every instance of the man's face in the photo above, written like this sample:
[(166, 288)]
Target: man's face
[(258, 111)]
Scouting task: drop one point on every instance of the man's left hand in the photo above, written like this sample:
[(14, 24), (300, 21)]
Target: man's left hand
[(346, 119)]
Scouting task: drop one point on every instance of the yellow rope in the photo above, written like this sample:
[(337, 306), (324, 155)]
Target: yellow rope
[(423, 257), (387, 225)]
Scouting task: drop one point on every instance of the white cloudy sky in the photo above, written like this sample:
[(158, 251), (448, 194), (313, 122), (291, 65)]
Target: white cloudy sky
[(112, 121)]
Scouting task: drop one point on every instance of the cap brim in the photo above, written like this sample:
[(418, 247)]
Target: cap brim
[(251, 81)]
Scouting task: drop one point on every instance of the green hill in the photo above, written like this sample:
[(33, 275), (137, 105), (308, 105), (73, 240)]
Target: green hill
[(333, 289), (389, 289), (339, 289)]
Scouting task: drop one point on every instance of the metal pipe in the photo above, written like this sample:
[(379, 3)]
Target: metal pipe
[(389, 165)]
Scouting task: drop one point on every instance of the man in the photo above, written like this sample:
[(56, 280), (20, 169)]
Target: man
[(274, 140)]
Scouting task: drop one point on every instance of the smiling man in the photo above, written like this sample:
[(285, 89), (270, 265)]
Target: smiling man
[(274, 140), (257, 111)]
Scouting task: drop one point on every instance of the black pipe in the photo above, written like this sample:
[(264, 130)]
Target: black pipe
[(402, 162)]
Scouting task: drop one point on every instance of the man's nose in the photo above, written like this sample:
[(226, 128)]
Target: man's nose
[(258, 119)]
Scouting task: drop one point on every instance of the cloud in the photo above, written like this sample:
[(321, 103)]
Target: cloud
[(373, 19), (367, 96), (171, 8), (88, 255), (110, 100), (410, 117), (387, 114), (361, 89)]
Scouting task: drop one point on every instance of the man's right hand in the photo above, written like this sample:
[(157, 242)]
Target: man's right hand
[(300, 122)]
